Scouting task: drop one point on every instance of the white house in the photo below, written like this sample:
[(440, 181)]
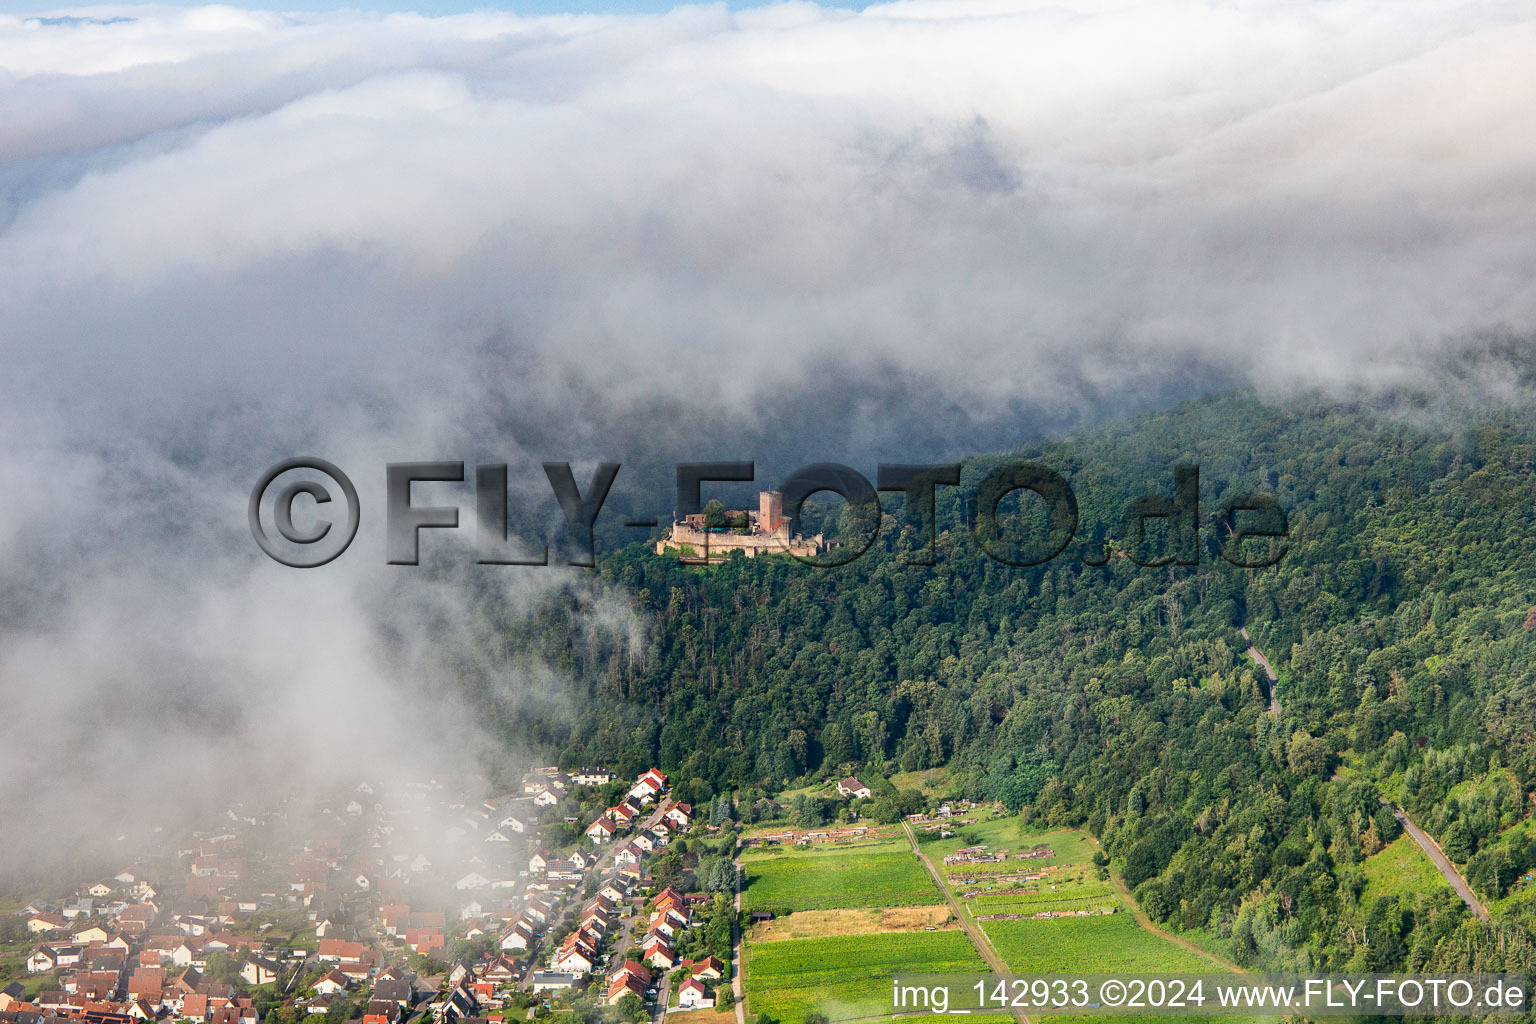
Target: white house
[(518, 937), (852, 787), (601, 830), (46, 958), (575, 958), (693, 994), (260, 971), (548, 981)]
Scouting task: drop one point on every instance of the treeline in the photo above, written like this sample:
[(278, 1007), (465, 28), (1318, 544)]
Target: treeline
[(1118, 696)]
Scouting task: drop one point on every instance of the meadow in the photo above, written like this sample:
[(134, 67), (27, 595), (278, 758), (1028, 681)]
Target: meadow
[(1399, 869), (931, 782)]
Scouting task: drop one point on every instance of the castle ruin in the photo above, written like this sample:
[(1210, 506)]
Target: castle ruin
[(763, 530)]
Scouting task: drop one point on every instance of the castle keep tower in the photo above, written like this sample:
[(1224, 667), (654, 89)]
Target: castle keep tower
[(770, 511)]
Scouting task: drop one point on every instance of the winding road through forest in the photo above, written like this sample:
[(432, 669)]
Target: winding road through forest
[(1431, 848), (1269, 670), (1438, 858)]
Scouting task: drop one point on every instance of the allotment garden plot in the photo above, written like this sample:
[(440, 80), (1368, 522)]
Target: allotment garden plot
[(998, 871), (1048, 908)]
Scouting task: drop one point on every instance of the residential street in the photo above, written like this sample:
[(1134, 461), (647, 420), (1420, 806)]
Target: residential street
[(663, 993), (596, 870)]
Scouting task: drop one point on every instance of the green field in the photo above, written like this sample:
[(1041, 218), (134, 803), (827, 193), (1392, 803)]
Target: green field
[(1399, 869), (1076, 897), (847, 975), (1095, 944), (1209, 941), (1101, 944), (881, 874)]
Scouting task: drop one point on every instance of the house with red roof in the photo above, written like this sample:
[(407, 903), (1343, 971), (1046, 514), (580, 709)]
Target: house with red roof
[(693, 993)]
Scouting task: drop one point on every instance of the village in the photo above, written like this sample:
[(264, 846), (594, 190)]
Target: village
[(407, 905)]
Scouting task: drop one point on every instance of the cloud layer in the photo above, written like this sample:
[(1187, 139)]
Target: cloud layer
[(227, 237)]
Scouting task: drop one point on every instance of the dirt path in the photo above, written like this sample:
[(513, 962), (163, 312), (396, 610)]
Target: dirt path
[(1269, 670), (978, 937), (738, 965), (1438, 858), (1142, 920)]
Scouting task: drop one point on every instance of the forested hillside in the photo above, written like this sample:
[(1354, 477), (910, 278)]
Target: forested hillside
[(1118, 697)]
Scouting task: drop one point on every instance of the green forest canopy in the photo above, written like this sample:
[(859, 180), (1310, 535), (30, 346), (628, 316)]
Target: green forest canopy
[(1118, 697)]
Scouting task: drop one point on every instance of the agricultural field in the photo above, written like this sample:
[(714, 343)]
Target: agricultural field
[(848, 975), (816, 924), (1094, 896), (1098, 944), (862, 914), (874, 874)]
